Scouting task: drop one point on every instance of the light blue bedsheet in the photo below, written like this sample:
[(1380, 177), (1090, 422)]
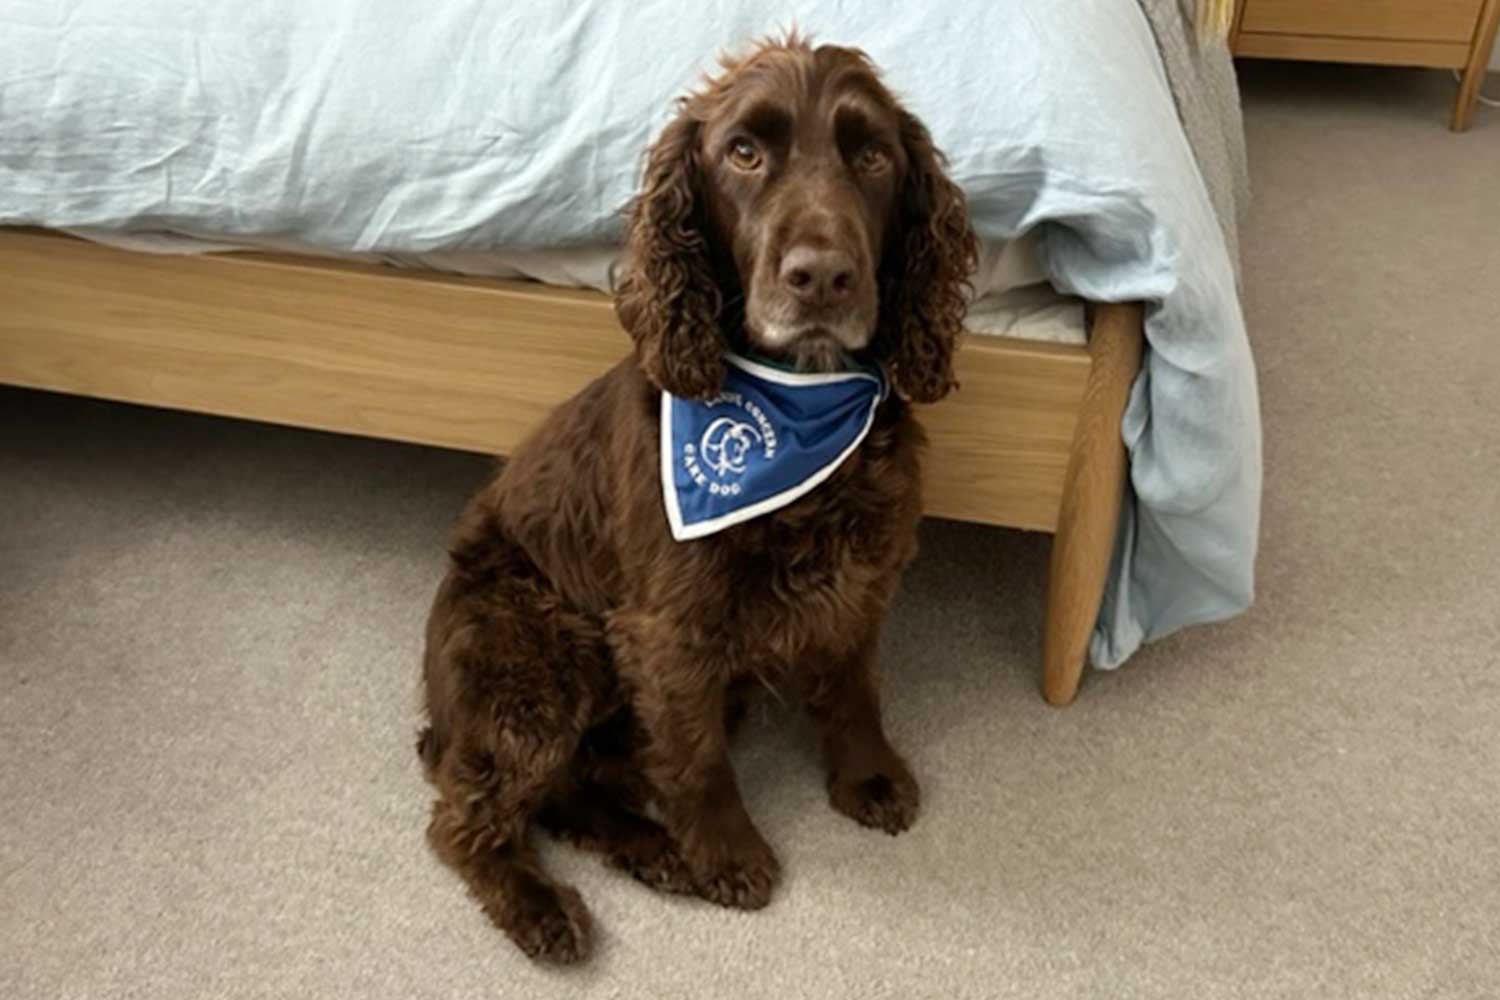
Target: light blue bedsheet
[(470, 124)]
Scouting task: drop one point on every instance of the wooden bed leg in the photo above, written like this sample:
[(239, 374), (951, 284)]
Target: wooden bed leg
[(1092, 491), (1479, 60)]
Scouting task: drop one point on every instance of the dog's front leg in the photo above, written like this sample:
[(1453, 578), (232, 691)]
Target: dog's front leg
[(868, 780), (680, 704)]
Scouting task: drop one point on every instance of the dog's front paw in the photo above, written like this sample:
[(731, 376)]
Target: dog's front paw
[(886, 798), (743, 880)]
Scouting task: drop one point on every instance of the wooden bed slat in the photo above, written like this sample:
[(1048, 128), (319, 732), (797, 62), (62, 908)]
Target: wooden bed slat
[(442, 360)]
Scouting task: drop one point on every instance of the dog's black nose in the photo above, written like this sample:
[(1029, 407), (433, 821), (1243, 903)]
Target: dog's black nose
[(818, 277)]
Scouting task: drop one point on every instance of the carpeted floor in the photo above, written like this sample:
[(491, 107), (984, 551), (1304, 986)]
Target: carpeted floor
[(208, 650)]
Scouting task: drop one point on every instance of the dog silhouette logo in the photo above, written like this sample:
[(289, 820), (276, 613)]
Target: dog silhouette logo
[(726, 445)]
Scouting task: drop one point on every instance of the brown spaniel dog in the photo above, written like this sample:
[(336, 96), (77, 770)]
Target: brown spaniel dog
[(583, 667)]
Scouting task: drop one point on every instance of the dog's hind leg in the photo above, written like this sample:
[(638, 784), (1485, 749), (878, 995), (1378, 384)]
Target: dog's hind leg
[(510, 689), (491, 783), (545, 919)]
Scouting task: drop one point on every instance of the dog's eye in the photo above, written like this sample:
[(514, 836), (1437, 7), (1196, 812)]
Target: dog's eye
[(872, 158), (743, 154)]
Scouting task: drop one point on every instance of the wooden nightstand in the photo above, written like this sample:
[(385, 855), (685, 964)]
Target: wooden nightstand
[(1445, 34)]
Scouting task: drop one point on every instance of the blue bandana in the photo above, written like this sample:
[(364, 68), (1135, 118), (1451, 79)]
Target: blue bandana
[(768, 438)]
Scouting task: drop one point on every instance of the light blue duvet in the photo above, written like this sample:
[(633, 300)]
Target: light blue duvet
[(470, 124)]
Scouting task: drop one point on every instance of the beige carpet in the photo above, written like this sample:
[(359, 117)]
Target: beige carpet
[(208, 651)]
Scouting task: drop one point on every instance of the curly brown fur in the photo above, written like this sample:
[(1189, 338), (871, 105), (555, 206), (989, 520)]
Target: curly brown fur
[(668, 297), (926, 284), (582, 667)]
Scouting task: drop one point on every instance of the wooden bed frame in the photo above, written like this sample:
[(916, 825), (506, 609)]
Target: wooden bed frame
[(1031, 440)]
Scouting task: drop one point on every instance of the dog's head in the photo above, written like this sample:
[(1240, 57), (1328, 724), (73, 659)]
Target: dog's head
[(794, 205)]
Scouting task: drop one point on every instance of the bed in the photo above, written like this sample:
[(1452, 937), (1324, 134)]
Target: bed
[(364, 219)]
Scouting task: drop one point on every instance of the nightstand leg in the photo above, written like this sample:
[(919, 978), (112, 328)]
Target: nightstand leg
[(1479, 60)]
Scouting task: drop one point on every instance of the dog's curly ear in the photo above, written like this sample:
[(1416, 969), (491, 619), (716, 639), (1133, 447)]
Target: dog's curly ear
[(667, 296), (925, 276)]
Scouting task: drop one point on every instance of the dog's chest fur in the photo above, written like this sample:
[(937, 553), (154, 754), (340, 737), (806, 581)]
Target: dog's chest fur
[(583, 499), (810, 579)]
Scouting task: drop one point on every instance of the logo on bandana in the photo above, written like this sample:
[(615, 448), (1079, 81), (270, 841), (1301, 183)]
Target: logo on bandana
[(727, 445)]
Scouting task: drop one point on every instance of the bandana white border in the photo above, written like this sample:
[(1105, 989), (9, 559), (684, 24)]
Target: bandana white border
[(685, 532)]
